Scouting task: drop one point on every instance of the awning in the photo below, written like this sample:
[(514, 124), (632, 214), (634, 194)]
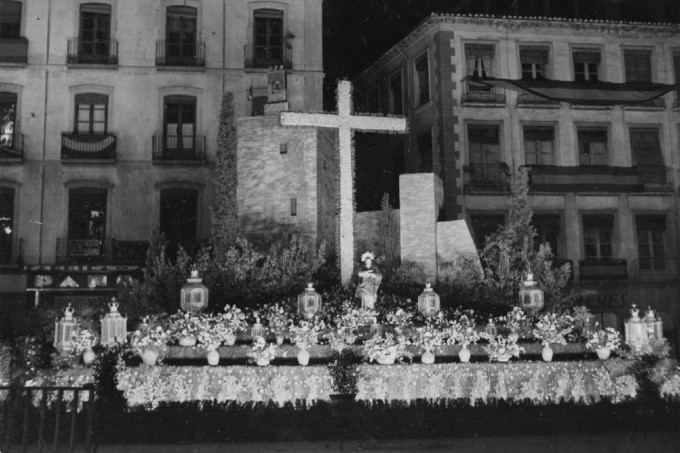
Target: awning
[(584, 93)]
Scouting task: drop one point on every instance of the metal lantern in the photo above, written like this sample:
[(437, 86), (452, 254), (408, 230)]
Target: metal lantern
[(194, 295), (257, 330), (530, 296), (637, 330), (428, 302), (309, 302), (491, 328), (65, 329), (114, 325), (654, 325)]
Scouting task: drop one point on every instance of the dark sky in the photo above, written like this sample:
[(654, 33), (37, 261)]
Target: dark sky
[(357, 32)]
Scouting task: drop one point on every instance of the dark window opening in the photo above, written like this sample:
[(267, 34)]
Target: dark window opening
[(426, 159), (484, 225), (638, 65), (586, 66), (181, 31), (6, 223), (257, 105), (95, 32), (10, 19), (179, 126), (592, 143), (396, 95), (484, 145), (8, 108), (534, 61), (422, 80), (598, 236), (178, 214), (650, 236), (539, 145), (547, 231), (91, 114), (268, 36)]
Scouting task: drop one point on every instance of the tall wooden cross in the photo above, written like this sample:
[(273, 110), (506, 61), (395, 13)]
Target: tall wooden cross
[(346, 123)]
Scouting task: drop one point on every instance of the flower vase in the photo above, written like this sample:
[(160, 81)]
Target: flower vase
[(513, 336), (464, 354), (213, 357), (547, 353), (230, 339), (303, 357), (262, 361), (387, 359), (88, 357), (428, 357), (149, 357), (603, 353), (279, 340), (187, 341), (503, 358), (350, 338)]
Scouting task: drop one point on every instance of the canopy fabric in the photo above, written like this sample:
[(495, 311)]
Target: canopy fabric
[(583, 93)]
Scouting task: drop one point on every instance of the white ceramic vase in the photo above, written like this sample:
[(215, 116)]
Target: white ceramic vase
[(547, 353), (88, 357), (427, 358), (279, 340), (187, 341), (303, 357), (149, 357), (213, 357), (464, 354), (230, 339), (603, 353), (387, 359), (262, 362)]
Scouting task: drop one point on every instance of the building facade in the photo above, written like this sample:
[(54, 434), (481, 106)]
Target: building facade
[(110, 116), (604, 178)]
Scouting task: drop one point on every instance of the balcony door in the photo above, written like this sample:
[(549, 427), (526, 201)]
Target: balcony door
[(91, 114), (484, 149), (10, 19), (268, 36), (95, 33), (178, 214), (8, 107), (650, 236), (6, 223), (181, 30), (86, 222), (179, 126)]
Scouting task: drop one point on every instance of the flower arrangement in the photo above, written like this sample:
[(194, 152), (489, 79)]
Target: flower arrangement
[(401, 320), (583, 321), (386, 349), (501, 348), (431, 335), (233, 318), (277, 318), (184, 324), (306, 333), (211, 332), (515, 319), (83, 341), (150, 336), (608, 338), (261, 350), (351, 318), (553, 328), (462, 331)]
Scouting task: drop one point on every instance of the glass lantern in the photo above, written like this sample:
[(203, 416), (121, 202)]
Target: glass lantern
[(65, 329), (114, 325), (654, 325), (257, 330), (636, 331), (194, 295), (309, 302), (491, 328), (530, 296), (428, 302)]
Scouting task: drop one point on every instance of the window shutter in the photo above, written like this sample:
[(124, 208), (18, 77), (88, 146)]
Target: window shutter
[(592, 136), (533, 55), (92, 98), (487, 135), (586, 56), (100, 8), (650, 222), (645, 146), (638, 66), (598, 221), (478, 50), (539, 133)]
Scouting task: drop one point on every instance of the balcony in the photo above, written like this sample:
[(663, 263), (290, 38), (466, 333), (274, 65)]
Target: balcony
[(88, 147), (267, 56), (97, 251), (603, 269), (81, 52), (14, 50), (484, 178), (477, 93), (171, 149), (656, 268), (180, 54), (529, 100), (12, 148), (599, 178)]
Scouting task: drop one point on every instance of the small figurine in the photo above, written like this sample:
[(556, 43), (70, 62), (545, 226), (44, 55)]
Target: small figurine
[(635, 313), (367, 290)]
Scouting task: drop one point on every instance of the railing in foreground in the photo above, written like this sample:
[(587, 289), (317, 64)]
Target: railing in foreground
[(47, 416)]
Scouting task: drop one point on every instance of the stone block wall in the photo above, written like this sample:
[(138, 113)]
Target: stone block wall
[(454, 242)]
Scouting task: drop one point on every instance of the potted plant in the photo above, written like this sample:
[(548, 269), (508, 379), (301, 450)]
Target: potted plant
[(150, 340), (345, 374), (463, 332), (350, 319), (604, 341), (515, 319), (552, 329), (501, 348), (386, 349), (430, 336), (262, 352), (233, 320), (401, 321), (277, 320), (184, 328), (305, 334)]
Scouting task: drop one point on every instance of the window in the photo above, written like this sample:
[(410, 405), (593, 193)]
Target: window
[(422, 80), (91, 114), (484, 225), (86, 222), (539, 145), (180, 31), (638, 66), (373, 100), (484, 146), (257, 105), (586, 65), (425, 152), (268, 37), (6, 223), (479, 60), (8, 108), (95, 33), (676, 70), (598, 236), (179, 124), (592, 145), (10, 19), (547, 231), (650, 237), (534, 61), (396, 95), (645, 147), (178, 214)]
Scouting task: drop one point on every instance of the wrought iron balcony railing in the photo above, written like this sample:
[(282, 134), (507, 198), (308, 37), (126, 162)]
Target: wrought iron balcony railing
[(180, 54), (95, 52), (13, 50), (267, 56), (74, 250), (12, 148), (487, 177), (477, 93), (128, 252), (85, 146), (173, 148)]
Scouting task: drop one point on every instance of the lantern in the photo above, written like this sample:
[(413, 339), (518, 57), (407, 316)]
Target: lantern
[(309, 302), (428, 301), (654, 325), (257, 330), (65, 329), (530, 296), (194, 295), (636, 332), (114, 326), (491, 328)]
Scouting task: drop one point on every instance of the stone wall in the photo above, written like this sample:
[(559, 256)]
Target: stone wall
[(367, 233)]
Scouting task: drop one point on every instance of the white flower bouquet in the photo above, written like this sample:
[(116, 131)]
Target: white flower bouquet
[(150, 336), (515, 319), (306, 333), (608, 338), (277, 318), (401, 320), (386, 349), (261, 350), (233, 318), (184, 324), (83, 341), (501, 348), (462, 331), (553, 329), (351, 318)]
